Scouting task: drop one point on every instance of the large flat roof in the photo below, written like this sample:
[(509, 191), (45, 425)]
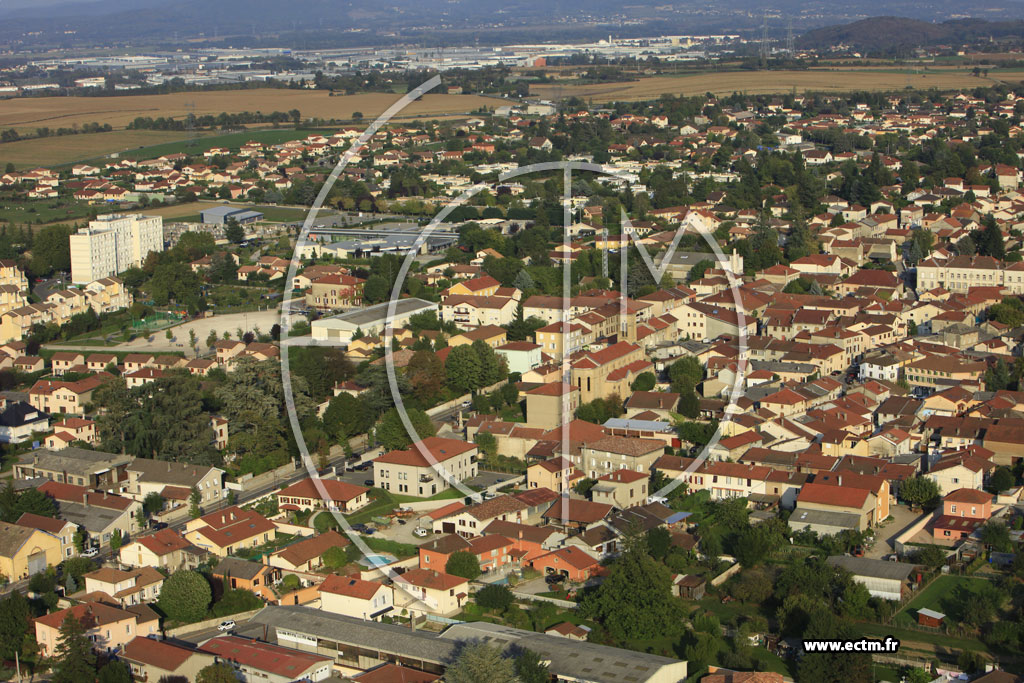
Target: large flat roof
[(573, 659), (878, 569), (377, 313), (73, 460)]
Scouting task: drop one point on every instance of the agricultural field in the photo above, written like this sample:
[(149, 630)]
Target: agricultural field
[(760, 82), (69, 149), (28, 113)]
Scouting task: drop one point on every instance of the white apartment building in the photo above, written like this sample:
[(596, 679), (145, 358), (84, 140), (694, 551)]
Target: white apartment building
[(113, 243)]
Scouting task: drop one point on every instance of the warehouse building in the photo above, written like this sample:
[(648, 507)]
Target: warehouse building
[(219, 215), (371, 320), (883, 579)]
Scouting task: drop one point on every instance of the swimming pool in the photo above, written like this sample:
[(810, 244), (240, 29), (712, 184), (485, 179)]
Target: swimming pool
[(377, 559)]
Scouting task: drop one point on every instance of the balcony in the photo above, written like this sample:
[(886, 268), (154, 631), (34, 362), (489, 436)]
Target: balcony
[(426, 478)]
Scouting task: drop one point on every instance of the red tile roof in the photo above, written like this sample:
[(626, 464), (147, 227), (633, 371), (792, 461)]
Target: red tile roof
[(350, 587), (163, 542), (280, 661), (336, 490), (441, 449), (837, 496), (969, 496), (156, 653)]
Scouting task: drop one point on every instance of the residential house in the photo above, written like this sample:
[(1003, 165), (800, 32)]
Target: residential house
[(307, 555), (125, 587), (426, 467), (354, 597), (165, 549), (156, 660), (964, 511), (109, 628), (336, 496), (225, 531), (25, 551)]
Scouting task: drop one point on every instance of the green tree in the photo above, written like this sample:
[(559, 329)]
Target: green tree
[(930, 556), (635, 600), (494, 596), (153, 503), (221, 672), (462, 368), (73, 658), (392, 434), (463, 563), (51, 250), (920, 491), (185, 596), (1001, 479), (487, 444), (115, 540), (194, 499), (478, 662), (15, 615), (234, 232), (530, 668), (659, 542), (114, 672), (996, 535), (753, 586), (645, 381), (915, 674)]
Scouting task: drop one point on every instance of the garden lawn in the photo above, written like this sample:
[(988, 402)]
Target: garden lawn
[(938, 596)]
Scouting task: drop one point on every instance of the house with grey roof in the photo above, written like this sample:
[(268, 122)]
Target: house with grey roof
[(78, 466)]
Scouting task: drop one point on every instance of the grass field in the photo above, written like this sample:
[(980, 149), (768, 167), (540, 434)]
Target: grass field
[(763, 82), (43, 211), (28, 113)]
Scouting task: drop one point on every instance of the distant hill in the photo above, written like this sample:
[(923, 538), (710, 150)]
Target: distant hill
[(898, 34)]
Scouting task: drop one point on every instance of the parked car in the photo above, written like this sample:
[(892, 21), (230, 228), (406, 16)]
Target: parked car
[(552, 579), (361, 528), (368, 482), (226, 625), (419, 532), (90, 552)]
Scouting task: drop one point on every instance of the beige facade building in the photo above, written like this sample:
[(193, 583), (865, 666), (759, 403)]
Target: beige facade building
[(113, 243), (614, 453), (411, 473)]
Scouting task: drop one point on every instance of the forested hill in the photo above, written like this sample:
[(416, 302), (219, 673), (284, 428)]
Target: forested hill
[(897, 34)]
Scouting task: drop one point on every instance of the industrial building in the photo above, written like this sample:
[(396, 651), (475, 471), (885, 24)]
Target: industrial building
[(371, 320), (219, 215)]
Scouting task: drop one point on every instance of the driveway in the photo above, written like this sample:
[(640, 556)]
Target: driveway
[(485, 478), (886, 536)]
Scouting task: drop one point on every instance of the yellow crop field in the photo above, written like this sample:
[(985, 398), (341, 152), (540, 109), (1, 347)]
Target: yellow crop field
[(29, 113), (67, 149), (761, 82)]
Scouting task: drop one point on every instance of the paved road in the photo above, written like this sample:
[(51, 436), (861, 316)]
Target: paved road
[(885, 542)]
